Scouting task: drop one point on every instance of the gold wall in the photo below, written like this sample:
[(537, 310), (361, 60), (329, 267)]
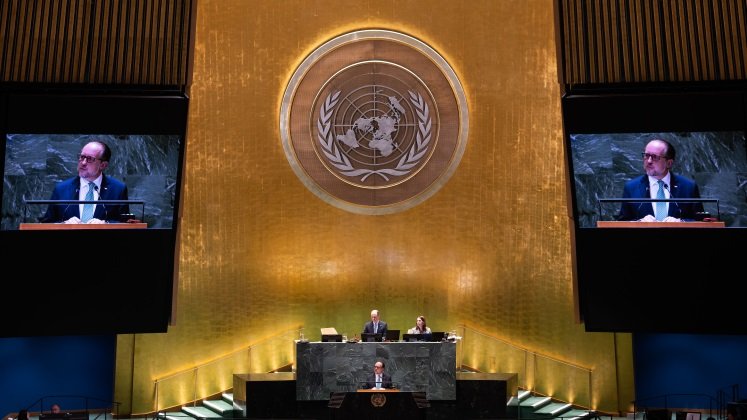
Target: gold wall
[(260, 254)]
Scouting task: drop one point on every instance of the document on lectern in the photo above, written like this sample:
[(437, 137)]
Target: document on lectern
[(329, 331)]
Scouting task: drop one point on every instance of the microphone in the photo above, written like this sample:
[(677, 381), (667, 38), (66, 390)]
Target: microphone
[(106, 212), (647, 194), (671, 195), (76, 194)]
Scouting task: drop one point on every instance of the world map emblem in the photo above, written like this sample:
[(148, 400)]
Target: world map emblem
[(374, 122)]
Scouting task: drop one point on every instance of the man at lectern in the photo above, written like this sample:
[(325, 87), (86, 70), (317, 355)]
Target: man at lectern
[(376, 325), (379, 378), (660, 183), (90, 185)]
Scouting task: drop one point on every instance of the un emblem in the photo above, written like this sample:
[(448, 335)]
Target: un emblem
[(374, 122), (378, 400)]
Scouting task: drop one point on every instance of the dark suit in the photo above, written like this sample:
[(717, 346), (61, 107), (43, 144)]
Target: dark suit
[(386, 381), (69, 189), (681, 188), (369, 328)]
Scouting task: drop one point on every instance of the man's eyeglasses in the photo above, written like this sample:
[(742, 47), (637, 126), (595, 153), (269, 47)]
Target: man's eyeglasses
[(655, 158), (88, 159)]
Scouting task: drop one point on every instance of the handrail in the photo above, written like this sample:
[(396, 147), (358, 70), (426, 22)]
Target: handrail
[(719, 401), (193, 373), (521, 348), (86, 400), (666, 397), (533, 369)]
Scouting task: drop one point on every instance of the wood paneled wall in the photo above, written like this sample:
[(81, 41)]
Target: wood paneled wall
[(632, 41), (148, 43), (97, 42)]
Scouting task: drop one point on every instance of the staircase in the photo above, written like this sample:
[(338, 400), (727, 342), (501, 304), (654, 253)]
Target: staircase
[(528, 406), (209, 409), (525, 406)]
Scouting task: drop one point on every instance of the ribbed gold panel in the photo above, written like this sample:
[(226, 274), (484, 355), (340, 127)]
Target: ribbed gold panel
[(624, 41), (260, 254), (100, 42)]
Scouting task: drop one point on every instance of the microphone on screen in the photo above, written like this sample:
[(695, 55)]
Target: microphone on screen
[(103, 205)]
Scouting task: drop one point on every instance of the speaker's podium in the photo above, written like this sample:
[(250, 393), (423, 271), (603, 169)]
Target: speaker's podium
[(378, 404), (81, 226)]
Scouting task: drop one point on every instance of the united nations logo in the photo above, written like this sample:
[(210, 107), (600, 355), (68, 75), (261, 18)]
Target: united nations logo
[(374, 131), (378, 400), (374, 122)]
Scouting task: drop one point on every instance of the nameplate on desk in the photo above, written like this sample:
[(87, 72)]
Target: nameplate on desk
[(81, 226)]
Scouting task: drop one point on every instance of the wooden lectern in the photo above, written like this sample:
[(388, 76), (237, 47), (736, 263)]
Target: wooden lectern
[(81, 226), (636, 224)]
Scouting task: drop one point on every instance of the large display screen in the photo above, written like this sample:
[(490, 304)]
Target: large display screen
[(35, 163), (603, 163), (647, 276), (116, 277)]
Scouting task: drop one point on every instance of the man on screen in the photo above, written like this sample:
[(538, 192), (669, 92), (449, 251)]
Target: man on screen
[(90, 184), (659, 182)]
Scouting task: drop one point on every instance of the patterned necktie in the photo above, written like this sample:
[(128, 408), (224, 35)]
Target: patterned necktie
[(661, 206), (88, 208), (378, 381), (376, 327)]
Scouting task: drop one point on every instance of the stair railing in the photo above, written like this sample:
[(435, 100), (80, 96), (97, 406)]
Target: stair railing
[(665, 402), (191, 385), (77, 404), (537, 372)]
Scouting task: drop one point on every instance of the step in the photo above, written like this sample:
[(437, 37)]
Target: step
[(227, 397), (528, 408), (174, 415), (553, 409), (201, 412), (219, 406), (522, 395), (535, 402), (576, 414)]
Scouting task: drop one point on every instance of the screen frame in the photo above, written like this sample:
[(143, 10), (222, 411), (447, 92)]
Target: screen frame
[(146, 164)]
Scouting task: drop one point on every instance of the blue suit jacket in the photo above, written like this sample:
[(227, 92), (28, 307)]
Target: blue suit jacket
[(386, 381), (368, 328), (681, 188), (69, 189)]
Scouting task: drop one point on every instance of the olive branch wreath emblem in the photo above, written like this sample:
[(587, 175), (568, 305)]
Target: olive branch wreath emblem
[(342, 162)]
